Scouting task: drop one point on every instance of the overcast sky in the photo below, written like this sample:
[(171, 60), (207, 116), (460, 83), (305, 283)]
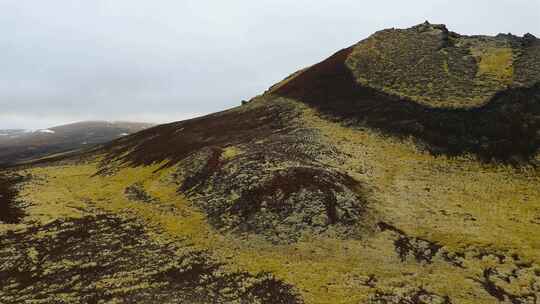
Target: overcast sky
[(159, 61)]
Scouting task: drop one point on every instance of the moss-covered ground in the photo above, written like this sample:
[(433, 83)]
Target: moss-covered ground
[(444, 230)]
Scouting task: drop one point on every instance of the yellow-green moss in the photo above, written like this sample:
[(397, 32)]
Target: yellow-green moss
[(231, 152), (496, 63), (425, 196), (401, 61)]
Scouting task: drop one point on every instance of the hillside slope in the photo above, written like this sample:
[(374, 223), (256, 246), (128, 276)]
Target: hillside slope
[(335, 186), (23, 145)]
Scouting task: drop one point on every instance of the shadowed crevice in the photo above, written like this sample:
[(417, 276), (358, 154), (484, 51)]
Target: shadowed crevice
[(10, 211)]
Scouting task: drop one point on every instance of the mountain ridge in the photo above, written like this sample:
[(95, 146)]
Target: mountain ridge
[(26, 145)]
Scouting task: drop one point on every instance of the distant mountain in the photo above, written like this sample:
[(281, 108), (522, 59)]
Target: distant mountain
[(23, 145), (404, 169)]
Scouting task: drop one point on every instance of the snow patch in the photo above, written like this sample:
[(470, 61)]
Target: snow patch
[(46, 131)]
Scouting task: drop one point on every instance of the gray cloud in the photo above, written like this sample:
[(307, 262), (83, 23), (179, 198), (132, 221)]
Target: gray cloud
[(67, 60)]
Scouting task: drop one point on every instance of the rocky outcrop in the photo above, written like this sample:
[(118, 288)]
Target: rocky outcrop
[(254, 169), (504, 126)]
